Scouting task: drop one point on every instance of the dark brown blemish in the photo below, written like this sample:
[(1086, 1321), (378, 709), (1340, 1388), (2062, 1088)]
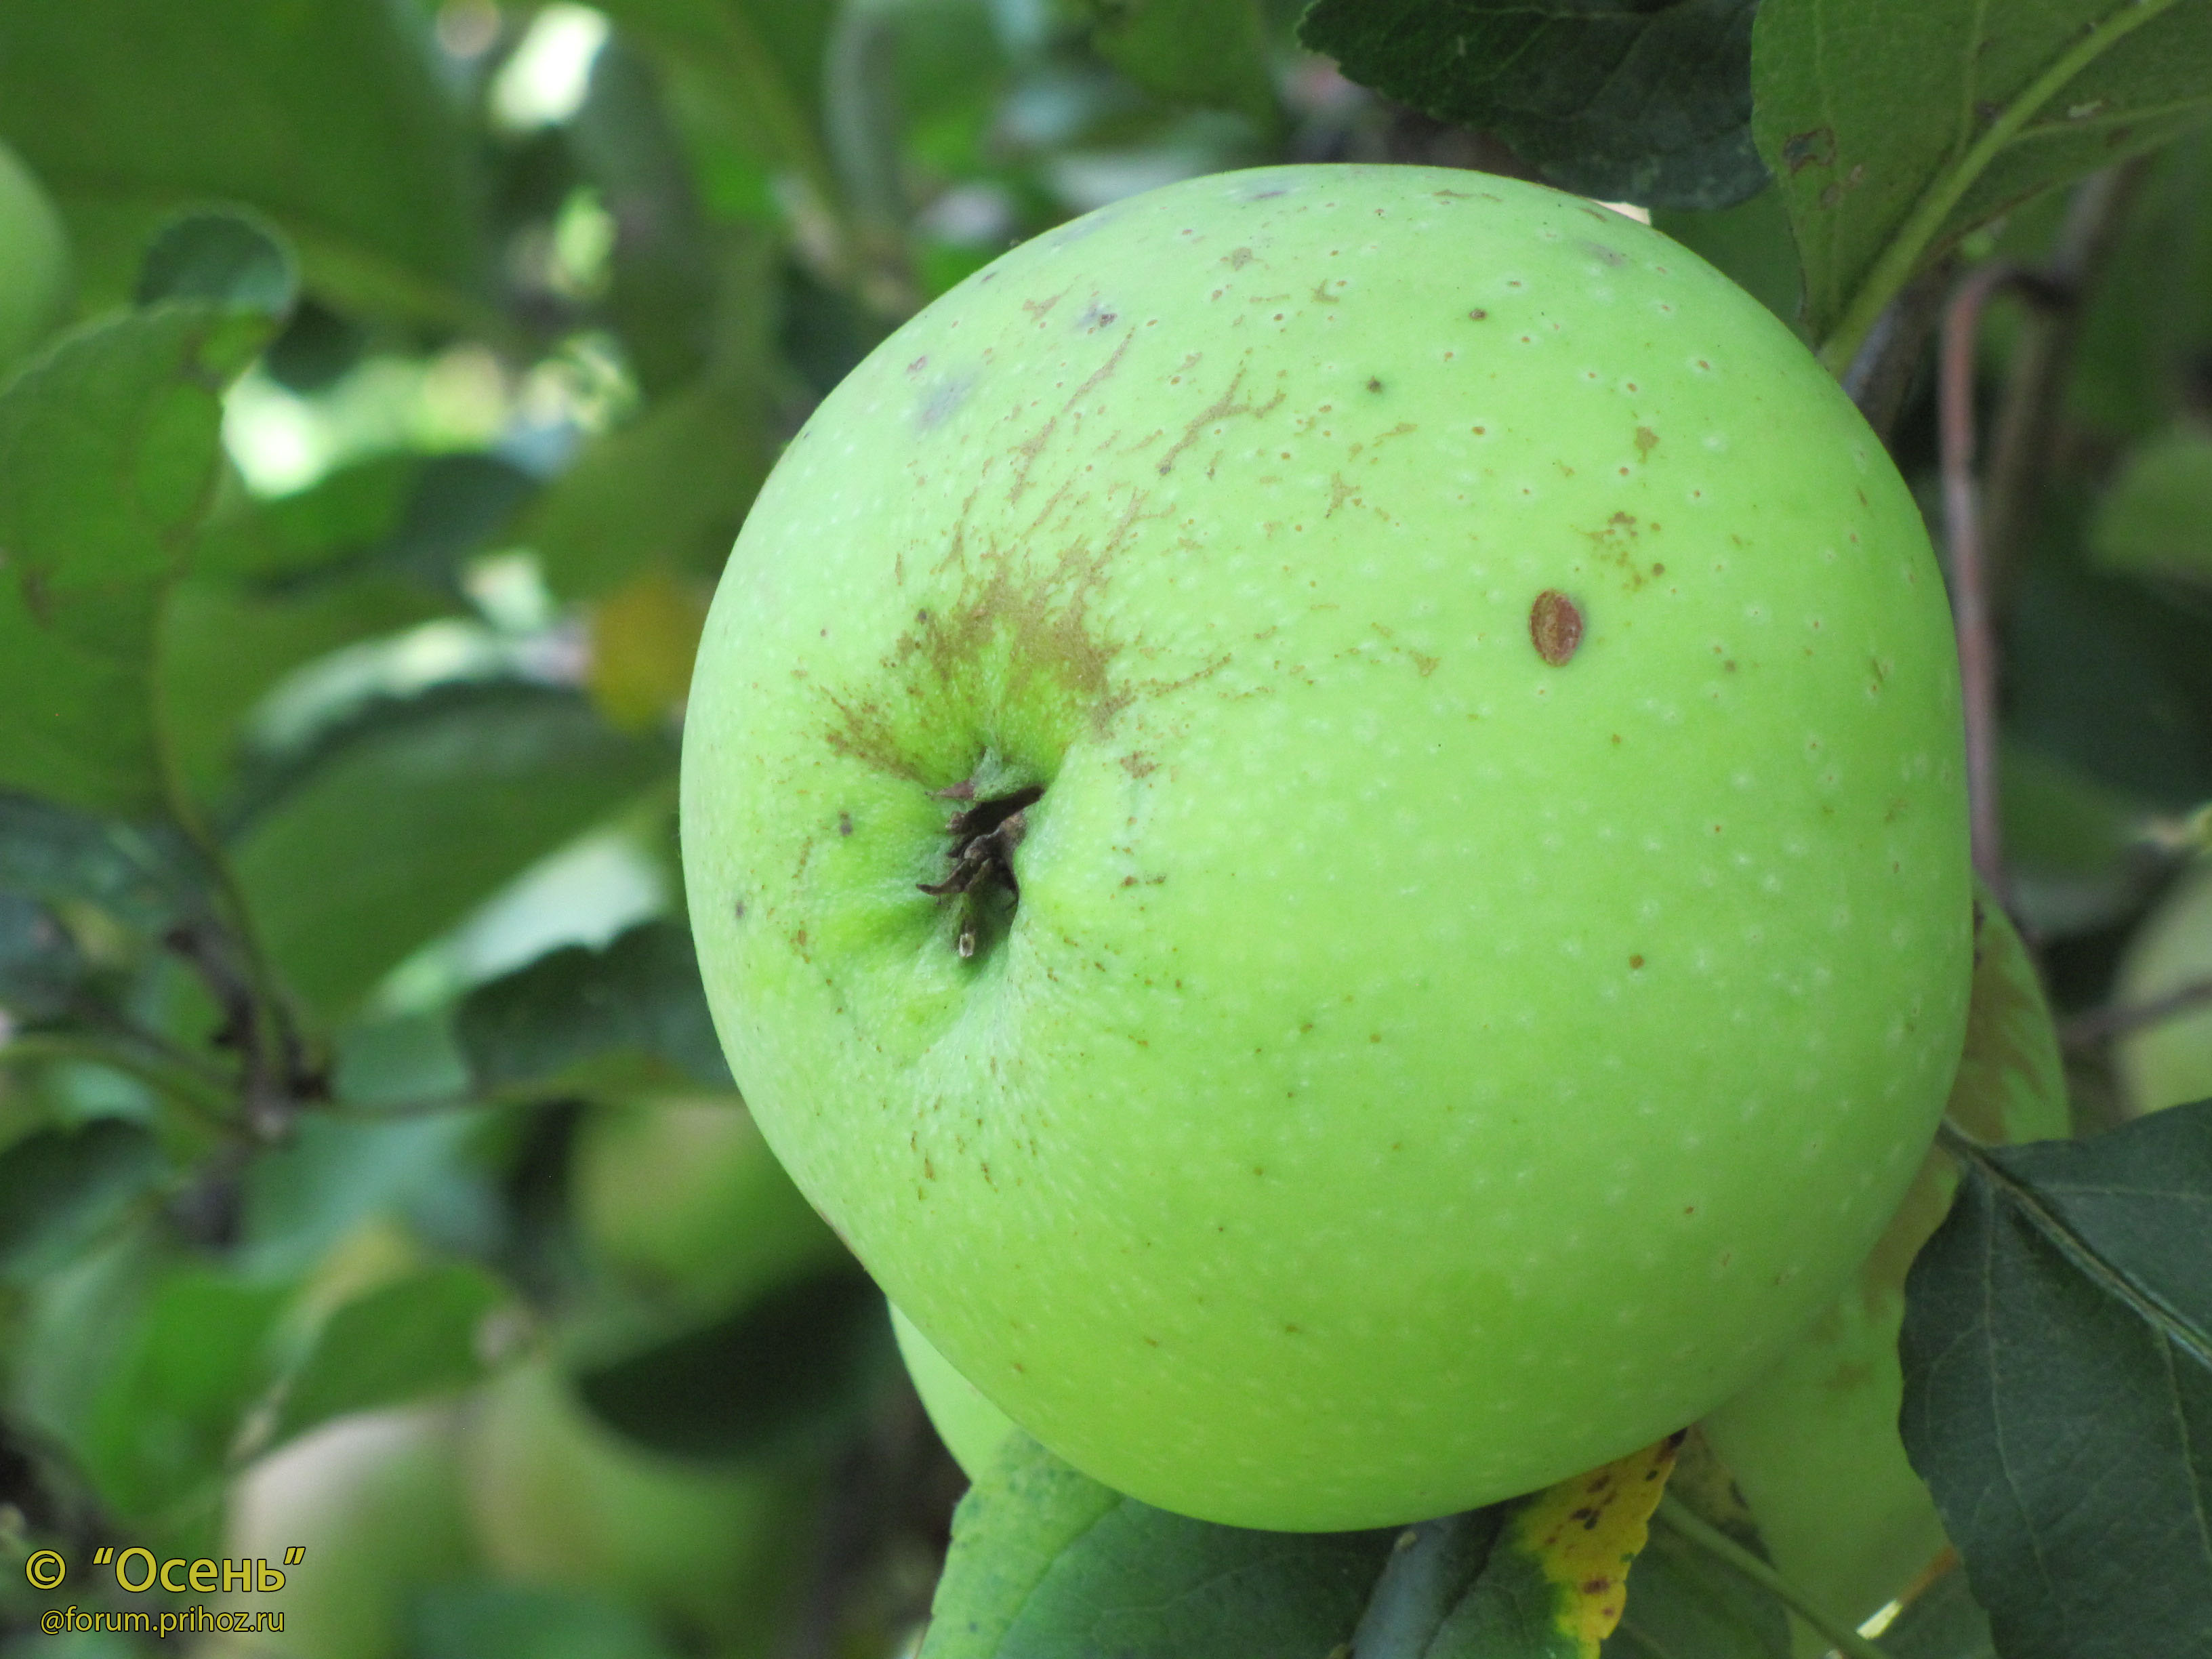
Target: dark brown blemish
[(1373, 384), (738, 909), (1555, 627), (1814, 149), (1636, 962), (1478, 315), (1646, 441), (844, 823)]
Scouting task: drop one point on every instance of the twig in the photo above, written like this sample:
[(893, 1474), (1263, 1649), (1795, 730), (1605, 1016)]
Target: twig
[(1969, 592), (2101, 1025), (2020, 443), (1682, 1520), (1882, 374)]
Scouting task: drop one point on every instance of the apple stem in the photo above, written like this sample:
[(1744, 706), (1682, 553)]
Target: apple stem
[(984, 838), (1678, 1518)]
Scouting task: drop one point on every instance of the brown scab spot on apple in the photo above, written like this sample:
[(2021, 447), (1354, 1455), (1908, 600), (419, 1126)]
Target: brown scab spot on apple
[(1555, 627)]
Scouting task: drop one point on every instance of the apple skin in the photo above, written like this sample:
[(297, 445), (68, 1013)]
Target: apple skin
[(557, 1499), (2169, 1063), (375, 1499), (1814, 1444), (1430, 1054), (33, 262)]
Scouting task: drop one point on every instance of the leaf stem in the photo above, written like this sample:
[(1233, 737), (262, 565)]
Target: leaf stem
[(1685, 1522), (1895, 268)]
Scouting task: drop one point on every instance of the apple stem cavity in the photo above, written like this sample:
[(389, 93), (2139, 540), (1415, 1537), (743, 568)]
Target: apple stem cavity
[(983, 836)]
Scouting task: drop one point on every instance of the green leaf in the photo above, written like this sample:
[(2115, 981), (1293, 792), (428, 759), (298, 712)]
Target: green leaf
[(663, 269), (1213, 53), (757, 69), (413, 1337), (520, 1621), (2058, 1353), (400, 825), (1681, 1603), (162, 1421), (60, 1188), (325, 114), (789, 1370), (1750, 245), (347, 512), (140, 877), (630, 1017), (1046, 1562), (1895, 127), (41, 967), (2156, 519), (220, 256), (669, 490), (109, 446), (224, 645), (1647, 103)]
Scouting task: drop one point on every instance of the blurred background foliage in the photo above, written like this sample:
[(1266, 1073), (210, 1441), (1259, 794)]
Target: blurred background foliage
[(388, 380)]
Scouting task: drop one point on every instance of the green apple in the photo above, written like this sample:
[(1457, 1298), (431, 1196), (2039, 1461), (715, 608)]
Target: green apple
[(1814, 1444), (1324, 815), (682, 1198), (971, 1427), (2170, 1062), (33, 261), (374, 1500), (559, 1500)]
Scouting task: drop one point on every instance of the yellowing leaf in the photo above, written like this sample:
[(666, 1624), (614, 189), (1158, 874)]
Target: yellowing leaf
[(1582, 1535), (644, 636)]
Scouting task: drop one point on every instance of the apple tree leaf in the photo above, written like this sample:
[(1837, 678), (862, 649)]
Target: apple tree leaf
[(159, 1427), (759, 64), (1557, 1580), (140, 876), (110, 444), (1682, 1601), (2156, 519), (40, 966), (668, 490), (1639, 102), (60, 1188), (327, 117), (1895, 127), (414, 1337), (631, 1016), (224, 645), (2057, 1354), (393, 828), (225, 258), (466, 1619), (785, 1372), (1046, 1562), (1209, 52)]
